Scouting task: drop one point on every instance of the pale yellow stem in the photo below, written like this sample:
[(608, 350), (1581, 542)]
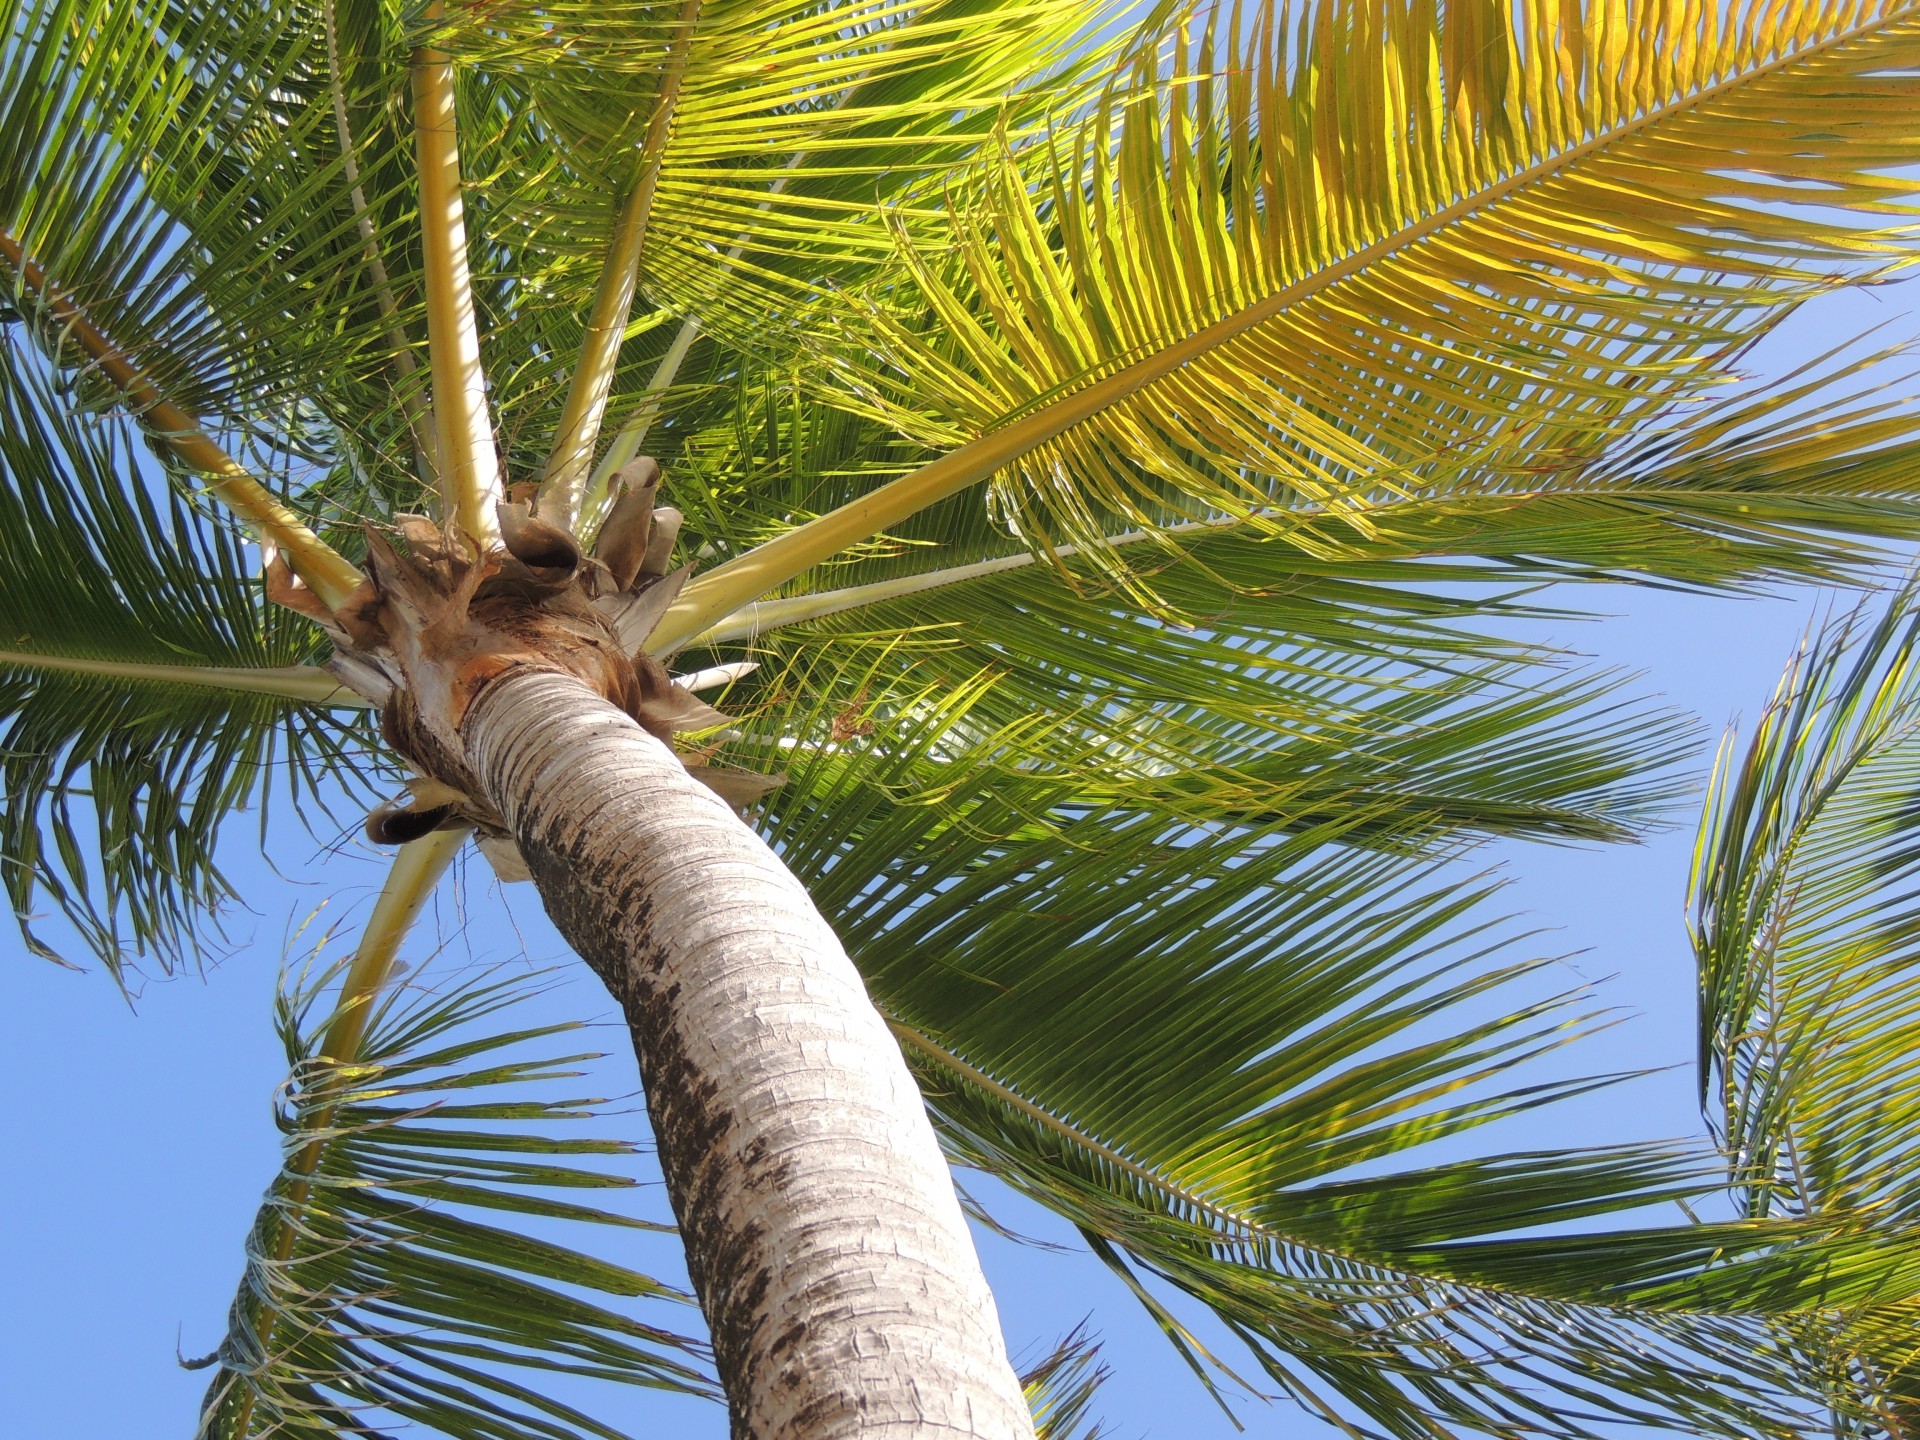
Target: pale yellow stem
[(410, 884), (568, 465), (720, 592), (289, 682), (764, 615), (469, 465), (328, 573), (633, 434), (416, 870), (726, 589)]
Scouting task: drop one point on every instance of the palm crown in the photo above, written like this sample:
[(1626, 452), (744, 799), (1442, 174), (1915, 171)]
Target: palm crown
[(1100, 440)]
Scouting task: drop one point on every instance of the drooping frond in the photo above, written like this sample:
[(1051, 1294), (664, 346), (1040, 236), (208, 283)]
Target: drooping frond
[(1253, 726), (1323, 259), (90, 102), (404, 1300), (1302, 689), (1219, 1050), (106, 280), (283, 158), (1807, 929), (118, 780)]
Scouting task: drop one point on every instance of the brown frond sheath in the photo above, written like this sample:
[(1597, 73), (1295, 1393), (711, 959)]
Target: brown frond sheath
[(323, 570), (624, 538), (396, 823), (451, 619)]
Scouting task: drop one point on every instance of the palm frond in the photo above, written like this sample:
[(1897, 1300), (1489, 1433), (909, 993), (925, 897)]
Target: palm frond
[(114, 288), (1370, 705), (1808, 935), (1783, 480), (1320, 259), (107, 106), (292, 112), (792, 118), (1767, 482), (1219, 1050), (399, 1303), (1061, 1390), (117, 784), (1300, 686), (1770, 482), (564, 479)]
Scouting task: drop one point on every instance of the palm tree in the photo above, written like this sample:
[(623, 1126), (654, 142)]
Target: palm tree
[(1098, 442)]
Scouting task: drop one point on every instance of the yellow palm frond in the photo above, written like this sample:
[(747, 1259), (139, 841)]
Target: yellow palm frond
[(788, 119), (1321, 258)]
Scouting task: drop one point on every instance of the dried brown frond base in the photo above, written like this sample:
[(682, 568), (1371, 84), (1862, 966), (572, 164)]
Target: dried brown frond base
[(439, 618)]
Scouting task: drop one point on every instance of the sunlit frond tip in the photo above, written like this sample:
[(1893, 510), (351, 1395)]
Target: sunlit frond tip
[(1062, 1387), (1330, 260)]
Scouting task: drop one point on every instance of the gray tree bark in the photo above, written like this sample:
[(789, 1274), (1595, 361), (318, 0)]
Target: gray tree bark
[(823, 1234)]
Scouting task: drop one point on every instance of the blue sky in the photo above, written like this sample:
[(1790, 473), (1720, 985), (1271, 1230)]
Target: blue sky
[(139, 1135)]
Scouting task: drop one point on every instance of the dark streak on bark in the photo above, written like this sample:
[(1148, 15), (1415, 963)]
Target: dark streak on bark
[(604, 917), (618, 863)]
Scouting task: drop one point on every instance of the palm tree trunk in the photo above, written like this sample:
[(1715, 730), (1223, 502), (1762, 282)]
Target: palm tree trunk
[(822, 1231)]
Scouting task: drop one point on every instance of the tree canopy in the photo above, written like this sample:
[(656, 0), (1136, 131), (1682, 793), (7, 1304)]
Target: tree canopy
[(1112, 447)]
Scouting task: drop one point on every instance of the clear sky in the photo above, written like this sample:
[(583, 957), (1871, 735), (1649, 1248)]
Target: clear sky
[(138, 1138)]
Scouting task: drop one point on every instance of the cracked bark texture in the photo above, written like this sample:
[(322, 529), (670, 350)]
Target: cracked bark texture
[(823, 1234)]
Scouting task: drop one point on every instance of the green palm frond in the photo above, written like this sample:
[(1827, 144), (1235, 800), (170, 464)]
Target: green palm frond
[(1061, 1390), (117, 787), (1313, 261), (1808, 932), (1766, 482), (1299, 687), (170, 194), (290, 174), (791, 124), (1219, 1050), (401, 1300), (794, 118), (1370, 708)]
